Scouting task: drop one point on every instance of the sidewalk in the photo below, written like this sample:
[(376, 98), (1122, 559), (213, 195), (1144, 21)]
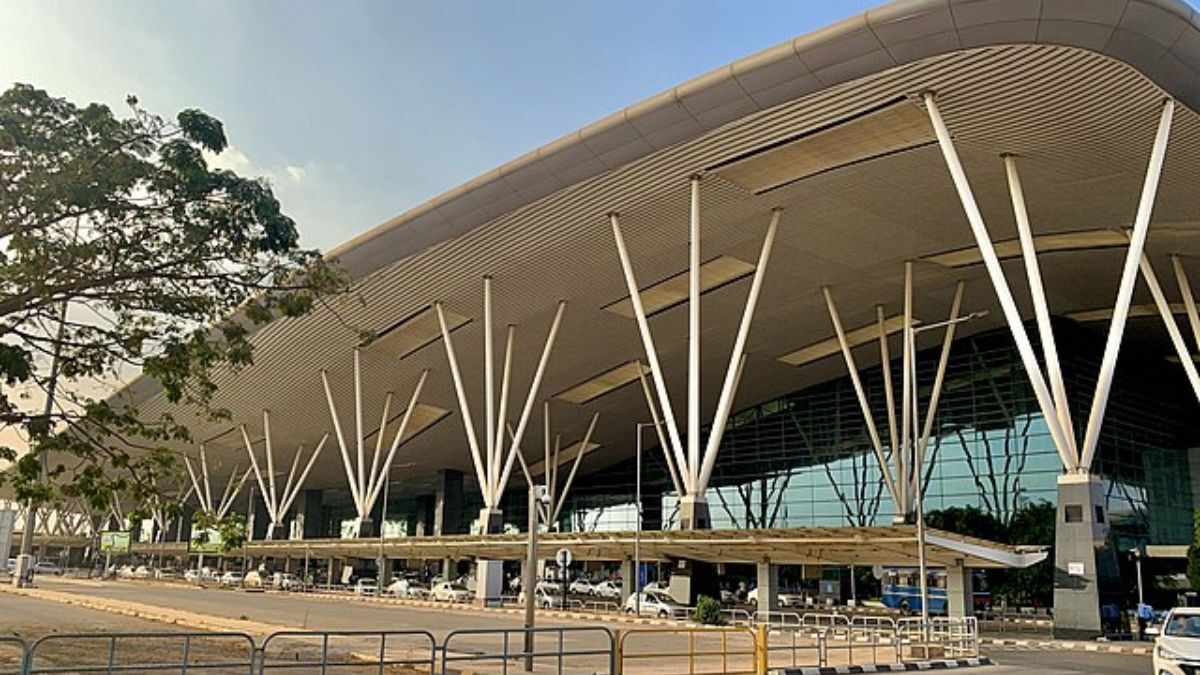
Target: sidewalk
[(1132, 648)]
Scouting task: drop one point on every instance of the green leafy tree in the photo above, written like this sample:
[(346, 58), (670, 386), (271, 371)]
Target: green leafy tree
[(122, 250)]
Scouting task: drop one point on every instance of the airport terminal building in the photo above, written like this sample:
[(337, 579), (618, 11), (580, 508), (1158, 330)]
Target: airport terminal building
[(689, 302)]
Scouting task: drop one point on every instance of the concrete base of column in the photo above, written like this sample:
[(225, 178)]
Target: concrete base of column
[(628, 579), (693, 514), (1084, 561), (491, 521), (489, 582), (767, 590), (960, 597)]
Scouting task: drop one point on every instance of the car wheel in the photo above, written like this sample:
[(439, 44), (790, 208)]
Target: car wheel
[(662, 614), (628, 611)]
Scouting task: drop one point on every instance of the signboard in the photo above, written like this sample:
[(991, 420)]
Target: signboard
[(8, 521), (563, 557), (114, 541), (206, 541), (1075, 569)]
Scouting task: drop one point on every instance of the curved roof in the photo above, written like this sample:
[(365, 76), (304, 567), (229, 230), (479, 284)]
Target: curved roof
[(1072, 86), (1160, 38)]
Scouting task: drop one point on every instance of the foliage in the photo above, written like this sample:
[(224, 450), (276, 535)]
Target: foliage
[(1031, 524), (122, 250), (1193, 554), (232, 528), (708, 612)]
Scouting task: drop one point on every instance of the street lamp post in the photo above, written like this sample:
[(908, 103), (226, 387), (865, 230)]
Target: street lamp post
[(537, 494), (637, 532)]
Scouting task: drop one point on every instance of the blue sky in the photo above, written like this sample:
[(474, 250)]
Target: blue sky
[(358, 111)]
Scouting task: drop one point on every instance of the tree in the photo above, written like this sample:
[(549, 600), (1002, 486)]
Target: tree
[(122, 250), (1193, 554)]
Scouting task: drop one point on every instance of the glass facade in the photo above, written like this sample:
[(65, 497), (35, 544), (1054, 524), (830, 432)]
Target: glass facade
[(805, 459)]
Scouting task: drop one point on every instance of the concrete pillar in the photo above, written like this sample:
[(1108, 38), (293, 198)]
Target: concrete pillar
[(287, 564), (767, 589), (449, 569), (489, 582), (425, 516), (1085, 563), (628, 579), (308, 522), (652, 511), (960, 597), (448, 503)]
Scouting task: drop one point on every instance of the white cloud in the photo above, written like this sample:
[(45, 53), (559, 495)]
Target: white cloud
[(296, 173), (232, 159)]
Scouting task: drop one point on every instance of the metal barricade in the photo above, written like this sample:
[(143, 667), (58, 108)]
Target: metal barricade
[(309, 651), (14, 655), (738, 617), (141, 652), (512, 646), (748, 657), (774, 618), (794, 648)]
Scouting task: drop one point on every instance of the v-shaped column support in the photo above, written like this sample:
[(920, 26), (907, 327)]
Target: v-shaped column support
[(216, 508), (277, 503), (1052, 400)]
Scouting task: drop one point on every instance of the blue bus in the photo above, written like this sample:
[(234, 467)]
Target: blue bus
[(901, 589)]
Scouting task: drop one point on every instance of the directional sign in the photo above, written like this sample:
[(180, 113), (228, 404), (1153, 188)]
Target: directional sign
[(563, 557)]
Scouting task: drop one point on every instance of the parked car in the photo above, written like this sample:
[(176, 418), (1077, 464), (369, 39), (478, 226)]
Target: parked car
[(543, 599), (231, 578), (191, 576), (1177, 648), (366, 586), (11, 564), (581, 587), (450, 592), (142, 572), (286, 581), (46, 567), (552, 587), (166, 573), (408, 588), (253, 579), (654, 603), (607, 590)]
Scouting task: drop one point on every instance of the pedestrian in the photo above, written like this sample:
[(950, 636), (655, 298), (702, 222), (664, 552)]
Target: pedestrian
[(1145, 614)]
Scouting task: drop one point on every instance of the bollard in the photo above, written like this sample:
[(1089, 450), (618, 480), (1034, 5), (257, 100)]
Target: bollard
[(618, 660), (761, 650)]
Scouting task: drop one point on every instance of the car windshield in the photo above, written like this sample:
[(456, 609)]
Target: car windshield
[(659, 597), (457, 587), (1183, 625)]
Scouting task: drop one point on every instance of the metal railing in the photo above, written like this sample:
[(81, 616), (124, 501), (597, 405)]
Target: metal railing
[(748, 653), (228, 652), (775, 618), (309, 650), (512, 647), (14, 655)]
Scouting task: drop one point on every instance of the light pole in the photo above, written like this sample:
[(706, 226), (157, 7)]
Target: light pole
[(537, 495), (920, 496), (1137, 560)]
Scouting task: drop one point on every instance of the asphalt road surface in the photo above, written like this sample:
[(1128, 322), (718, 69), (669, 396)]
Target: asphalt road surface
[(1052, 662)]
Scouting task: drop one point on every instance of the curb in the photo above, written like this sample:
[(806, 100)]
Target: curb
[(938, 664), (1066, 645)]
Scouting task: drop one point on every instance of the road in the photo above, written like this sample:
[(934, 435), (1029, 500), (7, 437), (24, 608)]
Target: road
[(298, 611)]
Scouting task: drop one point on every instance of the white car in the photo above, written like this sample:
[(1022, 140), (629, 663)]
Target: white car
[(551, 587), (655, 603), (285, 581), (1177, 648), (231, 578), (407, 588), (542, 599), (47, 567), (366, 586), (450, 592), (581, 587), (253, 579), (142, 572), (607, 590)]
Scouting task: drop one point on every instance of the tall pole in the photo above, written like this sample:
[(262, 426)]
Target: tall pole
[(637, 532), (527, 582), (25, 559), (383, 523)]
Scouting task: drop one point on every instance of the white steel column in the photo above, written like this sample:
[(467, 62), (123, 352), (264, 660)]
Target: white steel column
[(341, 439), (736, 357), (876, 444), (501, 418), (1040, 309), (489, 374), (664, 400), (583, 449), (885, 361), (938, 380), (662, 439), (1000, 284), (903, 467), (1116, 330), (693, 419), (1189, 300), (460, 392), (1164, 310)]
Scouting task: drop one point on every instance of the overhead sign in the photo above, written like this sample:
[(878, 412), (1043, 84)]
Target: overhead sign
[(115, 541), (563, 557)]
